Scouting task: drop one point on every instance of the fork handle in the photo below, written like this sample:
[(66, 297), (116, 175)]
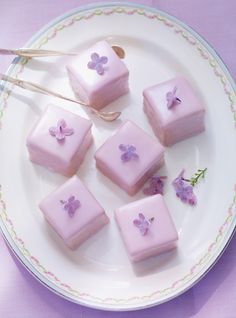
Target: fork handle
[(33, 52)]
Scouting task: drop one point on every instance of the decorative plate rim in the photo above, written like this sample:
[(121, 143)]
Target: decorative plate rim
[(30, 262)]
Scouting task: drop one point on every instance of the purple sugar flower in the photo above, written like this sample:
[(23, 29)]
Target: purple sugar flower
[(61, 130), (129, 152), (171, 98), (97, 63), (156, 185), (183, 190), (71, 205), (143, 224)]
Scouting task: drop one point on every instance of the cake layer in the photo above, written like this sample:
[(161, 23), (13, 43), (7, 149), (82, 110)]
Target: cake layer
[(131, 190), (87, 232), (153, 252), (177, 131)]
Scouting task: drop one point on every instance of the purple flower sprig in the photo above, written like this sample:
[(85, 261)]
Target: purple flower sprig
[(142, 224), (183, 190), (156, 185), (97, 63), (171, 98), (129, 152), (61, 130), (71, 205)]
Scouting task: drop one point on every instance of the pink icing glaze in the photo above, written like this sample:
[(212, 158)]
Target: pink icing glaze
[(92, 88), (64, 157), (161, 235), (131, 175), (183, 120), (87, 219)]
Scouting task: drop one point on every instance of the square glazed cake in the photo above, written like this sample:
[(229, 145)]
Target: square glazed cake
[(59, 140), (174, 110), (73, 212), (146, 227), (130, 157), (98, 76)]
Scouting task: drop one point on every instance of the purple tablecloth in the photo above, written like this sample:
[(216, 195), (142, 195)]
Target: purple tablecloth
[(20, 294)]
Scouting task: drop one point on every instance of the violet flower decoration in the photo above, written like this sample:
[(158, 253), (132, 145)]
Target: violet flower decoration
[(171, 98), (156, 185), (71, 205), (61, 130), (129, 153), (183, 190), (142, 224), (97, 63)]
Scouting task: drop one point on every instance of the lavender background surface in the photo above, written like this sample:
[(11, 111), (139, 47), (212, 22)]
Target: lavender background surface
[(214, 296)]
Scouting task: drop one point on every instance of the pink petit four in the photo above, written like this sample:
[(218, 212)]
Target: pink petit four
[(73, 212), (98, 76), (146, 228), (59, 140), (174, 110), (130, 157)]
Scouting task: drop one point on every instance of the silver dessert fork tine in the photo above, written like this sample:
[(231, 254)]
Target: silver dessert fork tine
[(106, 116)]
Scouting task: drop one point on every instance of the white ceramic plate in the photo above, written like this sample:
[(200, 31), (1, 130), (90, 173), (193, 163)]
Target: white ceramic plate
[(99, 274)]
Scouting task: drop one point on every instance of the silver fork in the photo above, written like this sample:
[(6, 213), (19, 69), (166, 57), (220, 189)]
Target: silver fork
[(33, 52), (107, 116), (27, 52)]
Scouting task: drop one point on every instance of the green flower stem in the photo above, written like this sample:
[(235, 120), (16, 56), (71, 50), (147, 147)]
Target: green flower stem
[(200, 174)]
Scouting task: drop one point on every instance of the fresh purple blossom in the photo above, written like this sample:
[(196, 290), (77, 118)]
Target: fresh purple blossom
[(61, 130), (129, 152), (143, 224), (171, 98), (71, 205), (156, 185), (183, 190), (97, 63)]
